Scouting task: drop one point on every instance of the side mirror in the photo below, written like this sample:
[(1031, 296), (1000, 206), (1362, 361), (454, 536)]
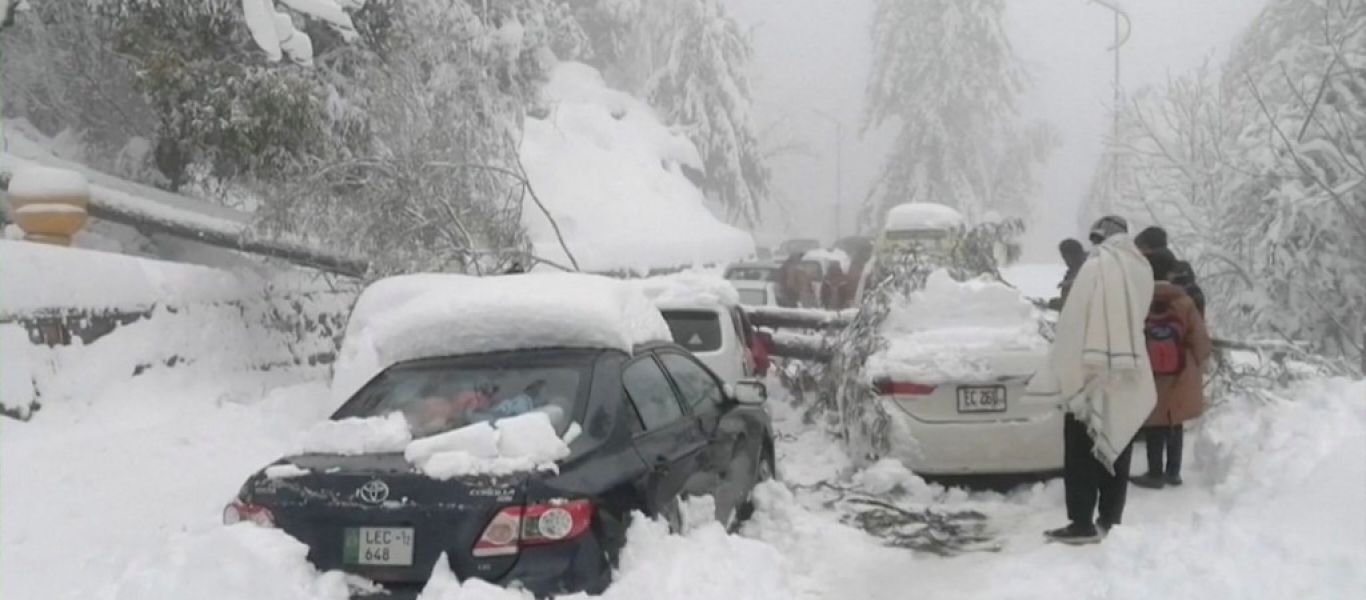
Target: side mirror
[(751, 392)]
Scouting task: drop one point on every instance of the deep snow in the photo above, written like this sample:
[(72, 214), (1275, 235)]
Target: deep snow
[(115, 489)]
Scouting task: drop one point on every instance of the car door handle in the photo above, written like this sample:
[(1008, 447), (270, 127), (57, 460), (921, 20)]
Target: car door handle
[(661, 463)]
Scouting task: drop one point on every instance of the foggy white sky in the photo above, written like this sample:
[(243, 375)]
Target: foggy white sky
[(814, 55)]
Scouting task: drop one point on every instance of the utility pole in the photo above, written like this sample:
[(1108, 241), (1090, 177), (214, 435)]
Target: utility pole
[(1121, 36), (839, 168)]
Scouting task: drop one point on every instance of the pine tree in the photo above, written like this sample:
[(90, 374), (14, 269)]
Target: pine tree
[(945, 74)]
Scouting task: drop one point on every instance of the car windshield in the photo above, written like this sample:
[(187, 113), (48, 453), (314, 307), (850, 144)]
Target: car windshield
[(696, 330), (751, 273), (438, 396), (753, 297)]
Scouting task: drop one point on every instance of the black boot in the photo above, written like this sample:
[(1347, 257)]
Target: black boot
[(1175, 444), (1076, 534)]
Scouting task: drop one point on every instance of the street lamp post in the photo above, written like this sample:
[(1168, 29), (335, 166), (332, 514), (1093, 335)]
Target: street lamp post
[(839, 166), (1120, 39)]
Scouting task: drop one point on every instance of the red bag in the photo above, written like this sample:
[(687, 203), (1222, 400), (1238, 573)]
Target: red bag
[(1166, 344)]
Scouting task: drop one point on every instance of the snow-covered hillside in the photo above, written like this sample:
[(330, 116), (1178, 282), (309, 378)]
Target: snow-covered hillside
[(611, 175)]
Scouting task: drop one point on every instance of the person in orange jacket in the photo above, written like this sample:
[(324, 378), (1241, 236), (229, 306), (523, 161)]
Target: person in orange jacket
[(1179, 347)]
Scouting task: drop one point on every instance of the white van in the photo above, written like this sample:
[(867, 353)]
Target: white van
[(933, 227)]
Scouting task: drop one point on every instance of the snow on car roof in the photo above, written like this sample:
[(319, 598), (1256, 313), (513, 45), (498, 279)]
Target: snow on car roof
[(688, 289), (923, 215), (959, 331), (828, 256), (422, 316)]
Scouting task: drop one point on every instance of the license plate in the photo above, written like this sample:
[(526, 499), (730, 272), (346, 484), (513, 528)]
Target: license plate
[(386, 546), (981, 399)]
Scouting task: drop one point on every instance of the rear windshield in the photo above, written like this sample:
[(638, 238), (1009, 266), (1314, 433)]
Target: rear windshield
[(754, 297), (438, 396), (696, 330), (751, 273)]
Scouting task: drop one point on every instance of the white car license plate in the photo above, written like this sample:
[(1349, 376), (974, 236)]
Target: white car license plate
[(386, 546), (981, 398)]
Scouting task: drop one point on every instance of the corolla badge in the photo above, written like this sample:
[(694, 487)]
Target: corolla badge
[(374, 491)]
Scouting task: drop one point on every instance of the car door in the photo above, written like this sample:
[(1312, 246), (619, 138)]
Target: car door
[(726, 470), (670, 440)]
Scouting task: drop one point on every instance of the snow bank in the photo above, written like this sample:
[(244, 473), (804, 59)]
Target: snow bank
[(523, 443), (689, 288), (959, 331), (611, 175), (17, 369), (417, 316), (38, 277), (922, 215), (350, 437), (1036, 280), (242, 561)]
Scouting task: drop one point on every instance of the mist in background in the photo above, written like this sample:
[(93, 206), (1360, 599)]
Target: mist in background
[(811, 66)]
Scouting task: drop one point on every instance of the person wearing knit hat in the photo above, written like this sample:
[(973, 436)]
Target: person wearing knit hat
[(1108, 226), (1155, 238)]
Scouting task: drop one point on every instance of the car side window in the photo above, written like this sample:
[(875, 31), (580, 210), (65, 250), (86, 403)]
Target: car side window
[(651, 394), (700, 389)]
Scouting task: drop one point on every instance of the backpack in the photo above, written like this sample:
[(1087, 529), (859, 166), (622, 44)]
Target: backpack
[(1166, 344)]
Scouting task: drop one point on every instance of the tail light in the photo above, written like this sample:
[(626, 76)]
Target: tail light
[(888, 387), (534, 525), (238, 511)]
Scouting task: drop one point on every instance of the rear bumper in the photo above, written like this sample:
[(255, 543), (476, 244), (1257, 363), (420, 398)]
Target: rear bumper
[(982, 448)]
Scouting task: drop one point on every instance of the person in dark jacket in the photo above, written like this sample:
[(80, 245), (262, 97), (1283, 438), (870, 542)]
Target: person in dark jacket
[(1155, 238), (1074, 256), (1180, 389)]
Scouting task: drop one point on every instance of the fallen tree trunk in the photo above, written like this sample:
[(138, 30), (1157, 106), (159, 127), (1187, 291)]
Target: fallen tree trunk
[(800, 346), (798, 318)]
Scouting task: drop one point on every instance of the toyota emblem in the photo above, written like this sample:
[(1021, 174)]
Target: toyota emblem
[(374, 491)]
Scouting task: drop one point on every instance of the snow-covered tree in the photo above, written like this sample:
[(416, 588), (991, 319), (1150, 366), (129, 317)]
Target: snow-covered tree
[(1260, 175), (437, 185), (688, 59), (945, 75), (1300, 220)]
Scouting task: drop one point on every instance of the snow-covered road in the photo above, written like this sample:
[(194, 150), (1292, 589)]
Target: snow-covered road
[(119, 497)]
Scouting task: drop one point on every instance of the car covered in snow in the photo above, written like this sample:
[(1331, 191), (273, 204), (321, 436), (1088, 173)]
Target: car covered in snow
[(511, 427), (756, 293), (952, 378), (705, 316), (753, 271)]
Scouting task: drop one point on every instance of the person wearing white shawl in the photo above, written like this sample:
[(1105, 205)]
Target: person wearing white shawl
[(1098, 372)]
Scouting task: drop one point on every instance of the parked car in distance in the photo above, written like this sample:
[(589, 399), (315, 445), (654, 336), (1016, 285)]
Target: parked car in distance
[(645, 423), (752, 271), (756, 293), (720, 336)]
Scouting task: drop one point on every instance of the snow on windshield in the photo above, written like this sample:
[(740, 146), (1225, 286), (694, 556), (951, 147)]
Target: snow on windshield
[(424, 316), (954, 331), (524, 442)]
